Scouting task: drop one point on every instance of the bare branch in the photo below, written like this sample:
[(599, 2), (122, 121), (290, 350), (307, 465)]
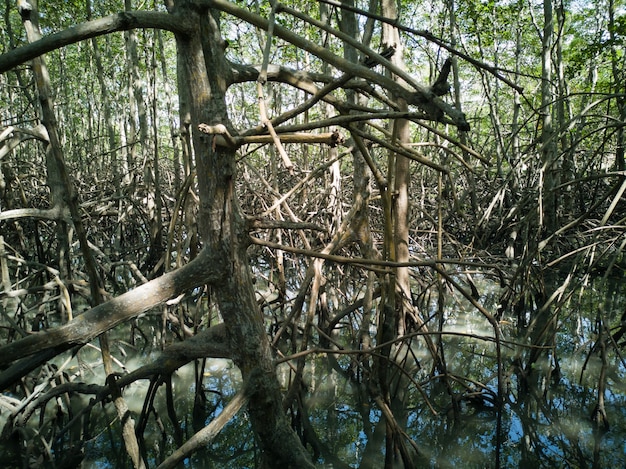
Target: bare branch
[(429, 37), (208, 433), (422, 96), (206, 268), (119, 22), (223, 137)]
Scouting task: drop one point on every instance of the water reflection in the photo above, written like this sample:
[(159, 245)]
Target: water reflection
[(546, 416), (457, 419)]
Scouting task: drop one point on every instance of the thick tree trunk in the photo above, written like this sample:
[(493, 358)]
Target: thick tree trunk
[(223, 231)]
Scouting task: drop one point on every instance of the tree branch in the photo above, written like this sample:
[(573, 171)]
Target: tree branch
[(206, 268), (223, 138), (429, 37), (422, 96), (119, 22), (208, 433)]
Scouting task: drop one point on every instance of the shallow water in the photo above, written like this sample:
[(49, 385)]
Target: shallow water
[(544, 420)]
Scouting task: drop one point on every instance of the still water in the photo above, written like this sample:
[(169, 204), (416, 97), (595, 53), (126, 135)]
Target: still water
[(543, 419)]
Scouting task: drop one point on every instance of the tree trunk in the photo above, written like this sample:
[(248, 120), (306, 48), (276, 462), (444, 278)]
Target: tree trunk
[(223, 231), (54, 151), (617, 66), (548, 212)]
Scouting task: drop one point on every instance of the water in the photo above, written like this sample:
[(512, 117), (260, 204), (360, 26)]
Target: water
[(454, 420)]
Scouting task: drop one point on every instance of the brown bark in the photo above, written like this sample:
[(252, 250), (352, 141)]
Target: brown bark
[(223, 231)]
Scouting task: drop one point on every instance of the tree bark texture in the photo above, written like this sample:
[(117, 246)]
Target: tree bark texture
[(223, 231)]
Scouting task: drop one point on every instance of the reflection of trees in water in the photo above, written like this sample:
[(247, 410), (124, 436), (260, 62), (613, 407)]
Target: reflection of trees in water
[(397, 289), (546, 418), (553, 371)]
